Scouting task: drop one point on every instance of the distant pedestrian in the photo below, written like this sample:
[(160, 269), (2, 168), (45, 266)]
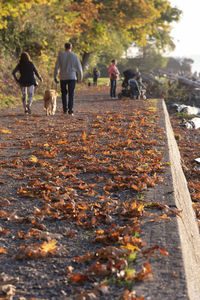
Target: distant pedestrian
[(114, 74), (142, 88), (96, 75), (137, 72), (68, 65), (27, 80), (134, 87)]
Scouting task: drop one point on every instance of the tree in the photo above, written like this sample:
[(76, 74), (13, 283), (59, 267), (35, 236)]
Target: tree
[(179, 65), (101, 29), (137, 21), (186, 65), (15, 8)]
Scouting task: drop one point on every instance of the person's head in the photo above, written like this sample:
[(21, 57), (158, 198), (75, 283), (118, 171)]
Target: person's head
[(139, 79), (113, 61), (24, 58), (68, 46)]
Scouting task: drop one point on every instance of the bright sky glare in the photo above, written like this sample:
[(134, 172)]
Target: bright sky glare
[(185, 32)]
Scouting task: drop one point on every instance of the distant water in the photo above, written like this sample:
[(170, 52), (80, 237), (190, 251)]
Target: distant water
[(196, 64)]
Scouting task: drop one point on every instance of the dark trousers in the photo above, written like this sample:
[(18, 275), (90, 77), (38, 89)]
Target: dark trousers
[(113, 85), (94, 80), (134, 91), (67, 87)]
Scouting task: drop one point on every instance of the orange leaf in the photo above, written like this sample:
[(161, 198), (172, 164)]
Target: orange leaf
[(131, 247), (84, 135), (3, 251), (78, 279), (134, 187), (164, 252), (165, 217)]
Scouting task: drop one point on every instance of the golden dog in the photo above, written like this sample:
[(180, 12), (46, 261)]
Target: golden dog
[(50, 99)]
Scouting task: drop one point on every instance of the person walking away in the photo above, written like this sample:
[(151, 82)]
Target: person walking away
[(114, 74), (96, 75), (68, 65), (134, 87), (137, 72), (27, 81)]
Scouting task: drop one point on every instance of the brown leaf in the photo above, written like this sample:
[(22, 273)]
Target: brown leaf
[(78, 279)]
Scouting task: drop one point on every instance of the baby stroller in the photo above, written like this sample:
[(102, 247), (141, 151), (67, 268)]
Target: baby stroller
[(126, 90)]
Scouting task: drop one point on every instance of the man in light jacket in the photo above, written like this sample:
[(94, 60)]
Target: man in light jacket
[(68, 65)]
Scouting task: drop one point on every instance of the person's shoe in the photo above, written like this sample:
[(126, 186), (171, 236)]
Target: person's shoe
[(71, 114), (29, 110)]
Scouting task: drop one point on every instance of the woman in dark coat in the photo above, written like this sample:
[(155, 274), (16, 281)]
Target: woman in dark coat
[(27, 81)]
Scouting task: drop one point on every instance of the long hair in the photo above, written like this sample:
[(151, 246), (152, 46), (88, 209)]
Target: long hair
[(24, 58)]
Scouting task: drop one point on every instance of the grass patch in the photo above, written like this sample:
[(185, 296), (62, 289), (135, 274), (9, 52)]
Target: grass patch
[(181, 115), (101, 80), (8, 101), (123, 282)]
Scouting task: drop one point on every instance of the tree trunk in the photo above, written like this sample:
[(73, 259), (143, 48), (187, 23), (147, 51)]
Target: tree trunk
[(85, 59)]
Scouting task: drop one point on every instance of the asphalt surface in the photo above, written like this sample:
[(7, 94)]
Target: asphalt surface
[(176, 276)]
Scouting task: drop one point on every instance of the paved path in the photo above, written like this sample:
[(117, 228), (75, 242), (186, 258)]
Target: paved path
[(176, 276)]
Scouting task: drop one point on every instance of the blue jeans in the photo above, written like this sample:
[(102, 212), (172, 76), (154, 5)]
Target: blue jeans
[(30, 91), (68, 86), (113, 85)]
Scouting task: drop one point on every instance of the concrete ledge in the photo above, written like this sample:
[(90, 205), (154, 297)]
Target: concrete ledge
[(187, 225)]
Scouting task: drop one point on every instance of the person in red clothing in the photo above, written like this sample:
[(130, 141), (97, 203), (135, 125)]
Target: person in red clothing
[(114, 74)]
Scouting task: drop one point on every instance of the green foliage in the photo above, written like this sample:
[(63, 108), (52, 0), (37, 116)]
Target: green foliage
[(7, 101), (148, 59), (172, 90), (16, 8), (182, 115)]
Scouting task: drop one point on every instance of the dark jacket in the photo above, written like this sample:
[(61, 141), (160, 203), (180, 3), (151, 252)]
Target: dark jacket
[(96, 74), (134, 86), (27, 72)]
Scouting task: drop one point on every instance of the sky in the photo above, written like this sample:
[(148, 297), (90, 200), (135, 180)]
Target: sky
[(186, 31)]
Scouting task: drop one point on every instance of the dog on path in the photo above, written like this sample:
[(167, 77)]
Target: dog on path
[(50, 99)]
